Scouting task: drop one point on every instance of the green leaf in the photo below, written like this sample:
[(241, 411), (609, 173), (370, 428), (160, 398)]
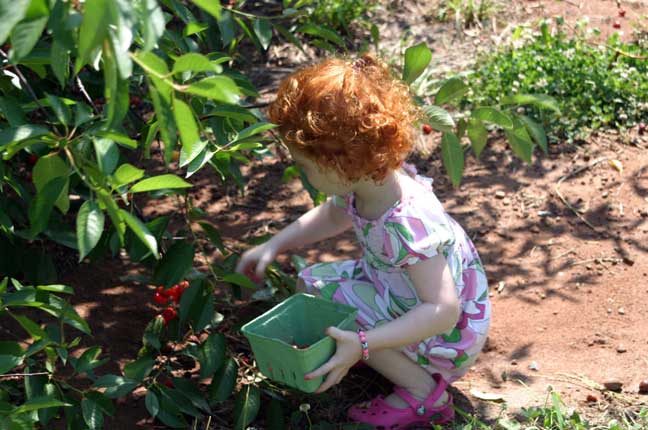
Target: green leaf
[(152, 403), (41, 206), (141, 232), (520, 141), (226, 27), (113, 211), (161, 182), (198, 162), (211, 7), (453, 157), (494, 116), (139, 369), (90, 226), (439, 118), (94, 29), (125, 174), (82, 114), (275, 416), (11, 355), (240, 280), (536, 131), (61, 110), (41, 402), (30, 327), (64, 289), (211, 354), (24, 37), (542, 101), (254, 129), (223, 382), (197, 306), (263, 30), (60, 61), (50, 167), (219, 88), (193, 62), (191, 392), (119, 138), (153, 331), (92, 414), (175, 264), (20, 133), (321, 31), (189, 134), (246, 406), (478, 135), (12, 12), (116, 386), (417, 58), (452, 89), (152, 22), (12, 111), (88, 361), (107, 154), (213, 234)]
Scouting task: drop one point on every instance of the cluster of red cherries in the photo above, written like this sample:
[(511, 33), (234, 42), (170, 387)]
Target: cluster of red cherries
[(174, 294)]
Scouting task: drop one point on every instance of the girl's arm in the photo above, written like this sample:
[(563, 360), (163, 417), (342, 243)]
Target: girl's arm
[(321, 222), (437, 313)]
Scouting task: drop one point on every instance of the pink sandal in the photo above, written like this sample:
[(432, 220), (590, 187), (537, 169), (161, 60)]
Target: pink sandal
[(386, 417)]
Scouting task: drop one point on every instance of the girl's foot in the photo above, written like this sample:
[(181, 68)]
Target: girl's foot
[(404, 409)]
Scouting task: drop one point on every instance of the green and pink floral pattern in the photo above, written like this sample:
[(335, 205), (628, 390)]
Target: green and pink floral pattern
[(414, 229)]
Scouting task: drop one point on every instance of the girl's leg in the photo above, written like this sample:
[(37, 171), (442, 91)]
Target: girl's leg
[(402, 371)]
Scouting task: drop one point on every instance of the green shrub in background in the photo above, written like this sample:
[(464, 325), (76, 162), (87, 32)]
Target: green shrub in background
[(595, 86), (336, 14)]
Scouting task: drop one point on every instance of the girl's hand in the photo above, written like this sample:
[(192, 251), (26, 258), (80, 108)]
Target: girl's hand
[(254, 261), (348, 352)]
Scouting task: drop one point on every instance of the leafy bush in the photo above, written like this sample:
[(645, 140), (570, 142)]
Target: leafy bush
[(337, 14), (595, 85)]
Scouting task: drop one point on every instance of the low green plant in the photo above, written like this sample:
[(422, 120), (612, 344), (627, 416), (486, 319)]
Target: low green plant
[(595, 85)]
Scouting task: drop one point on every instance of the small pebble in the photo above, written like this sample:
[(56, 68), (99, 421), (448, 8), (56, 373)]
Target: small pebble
[(535, 229), (555, 312), (591, 398), (543, 296), (609, 310), (613, 385), (500, 194), (506, 201), (514, 362), (621, 349), (621, 311), (533, 365)]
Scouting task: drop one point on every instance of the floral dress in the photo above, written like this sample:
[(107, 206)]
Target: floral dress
[(378, 285)]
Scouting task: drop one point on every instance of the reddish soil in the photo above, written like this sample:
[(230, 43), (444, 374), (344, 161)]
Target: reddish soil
[(565, 295)]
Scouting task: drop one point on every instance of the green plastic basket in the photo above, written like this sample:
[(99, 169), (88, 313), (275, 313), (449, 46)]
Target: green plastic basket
[(300, 320)]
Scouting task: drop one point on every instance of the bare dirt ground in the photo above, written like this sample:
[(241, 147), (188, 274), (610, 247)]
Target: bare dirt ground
[(569, 299)]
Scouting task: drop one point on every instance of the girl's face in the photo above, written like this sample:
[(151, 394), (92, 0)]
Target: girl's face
[(326, 180)]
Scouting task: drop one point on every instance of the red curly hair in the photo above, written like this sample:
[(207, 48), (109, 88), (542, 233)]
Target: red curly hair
[(352, 116)]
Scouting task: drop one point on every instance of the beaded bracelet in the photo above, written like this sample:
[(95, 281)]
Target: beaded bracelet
[(364, 344)]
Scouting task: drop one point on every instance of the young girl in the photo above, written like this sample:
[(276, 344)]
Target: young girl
[(420, 287)]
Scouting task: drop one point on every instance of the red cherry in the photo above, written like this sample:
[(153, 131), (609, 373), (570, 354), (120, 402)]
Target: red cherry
[(135, 101), (616, 24), (184, 284), (6, 47), (591, 398), (32, 159), (169, 383), (427, 128), (160, 299), (642, 128), (168, 314), (622, 13)]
